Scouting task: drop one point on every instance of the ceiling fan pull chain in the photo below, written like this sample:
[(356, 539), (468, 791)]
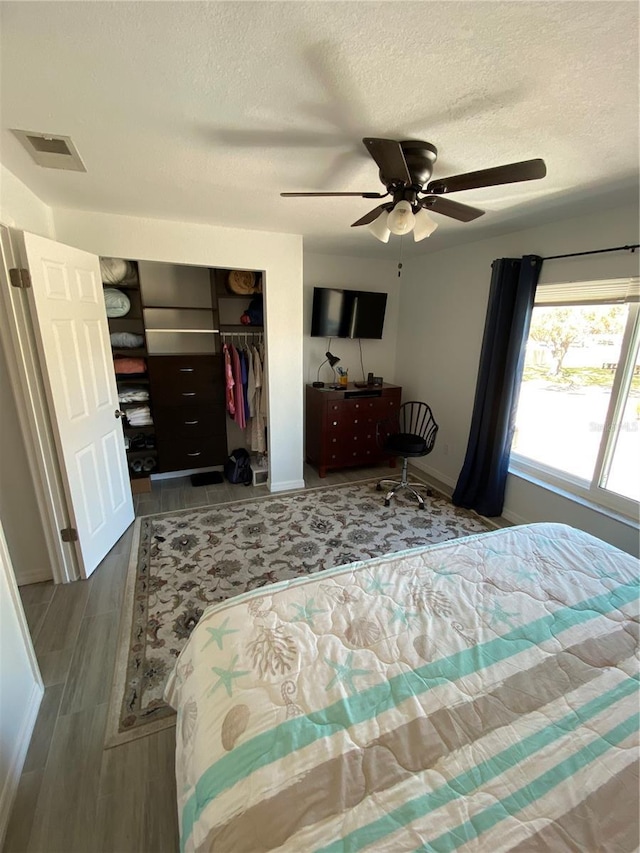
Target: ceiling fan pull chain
[(400, 257)]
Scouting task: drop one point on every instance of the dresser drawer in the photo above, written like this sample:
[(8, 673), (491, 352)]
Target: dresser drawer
[(180, 454), (190, 421), (180, 380)]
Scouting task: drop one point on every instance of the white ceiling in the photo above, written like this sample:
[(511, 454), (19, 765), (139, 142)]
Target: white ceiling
[(206, 111)]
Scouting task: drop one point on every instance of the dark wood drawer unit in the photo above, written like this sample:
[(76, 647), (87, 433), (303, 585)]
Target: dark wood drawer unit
[(341, 425), (191, 421), (189, 412), (182, 454)]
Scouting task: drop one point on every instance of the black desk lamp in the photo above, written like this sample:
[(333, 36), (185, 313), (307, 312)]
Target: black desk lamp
[(333, 360)]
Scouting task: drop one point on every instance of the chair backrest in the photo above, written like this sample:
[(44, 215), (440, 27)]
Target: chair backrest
[(417, 419)]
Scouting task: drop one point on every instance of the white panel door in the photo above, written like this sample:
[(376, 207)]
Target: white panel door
[(71, 329)]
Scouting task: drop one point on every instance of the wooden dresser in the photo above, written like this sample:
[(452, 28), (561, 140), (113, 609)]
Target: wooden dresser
[(188, 408), (341, 425)]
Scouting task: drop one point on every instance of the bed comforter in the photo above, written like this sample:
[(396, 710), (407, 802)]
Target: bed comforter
[(476, 695)]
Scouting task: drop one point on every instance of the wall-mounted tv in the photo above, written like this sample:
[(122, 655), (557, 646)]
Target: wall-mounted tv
[(347, 313)]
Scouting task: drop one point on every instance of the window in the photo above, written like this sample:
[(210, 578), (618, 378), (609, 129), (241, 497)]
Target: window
[(578, 418)]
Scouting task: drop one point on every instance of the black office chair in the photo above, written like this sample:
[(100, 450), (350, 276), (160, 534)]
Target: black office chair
[(410, 433)]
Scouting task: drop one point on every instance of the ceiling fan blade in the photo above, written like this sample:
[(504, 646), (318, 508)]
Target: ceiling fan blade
[(527, 170), (371, 216), (316, 195), (388, 155), (448, 207)]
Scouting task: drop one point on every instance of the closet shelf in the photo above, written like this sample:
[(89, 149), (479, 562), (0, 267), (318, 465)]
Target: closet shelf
[(228, 328), (133, 403), (130, 351), (140, 475), (123, 285), (190, 331), (179, 307)]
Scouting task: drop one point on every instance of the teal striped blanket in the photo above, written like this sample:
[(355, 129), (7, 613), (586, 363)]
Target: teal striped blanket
[(475, 695)]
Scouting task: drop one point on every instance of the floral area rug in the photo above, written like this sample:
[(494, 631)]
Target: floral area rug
[(184, 561)]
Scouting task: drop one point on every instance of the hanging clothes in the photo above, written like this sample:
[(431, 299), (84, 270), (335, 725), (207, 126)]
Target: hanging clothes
[(238, 392), (228, 380), (251, 382), (256, 428), (245, 379)]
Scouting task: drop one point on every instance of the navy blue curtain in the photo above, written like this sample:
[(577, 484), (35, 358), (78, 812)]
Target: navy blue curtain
[(483, 477)]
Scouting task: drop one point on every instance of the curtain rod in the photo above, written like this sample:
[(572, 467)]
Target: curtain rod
[(594, 252)]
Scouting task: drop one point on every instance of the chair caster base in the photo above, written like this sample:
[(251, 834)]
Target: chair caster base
[(378, 487), (387, 503)]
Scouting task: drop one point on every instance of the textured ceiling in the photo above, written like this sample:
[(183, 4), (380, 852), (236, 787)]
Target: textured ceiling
[(206, 111)]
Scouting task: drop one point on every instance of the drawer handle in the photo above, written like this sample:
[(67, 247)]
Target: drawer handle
[(191, 423), (186, 370), (197, 453), (355, 420), (188, 393), (335, 423)]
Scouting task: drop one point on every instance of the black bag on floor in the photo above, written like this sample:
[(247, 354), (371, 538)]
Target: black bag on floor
[(237, 468)]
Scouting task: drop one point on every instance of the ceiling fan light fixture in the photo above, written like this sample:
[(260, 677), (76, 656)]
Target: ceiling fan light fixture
[(379, 228), (401, 220), (424, 225)]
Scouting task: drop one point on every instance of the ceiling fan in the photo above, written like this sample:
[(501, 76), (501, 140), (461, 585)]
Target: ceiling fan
[(405, 167)]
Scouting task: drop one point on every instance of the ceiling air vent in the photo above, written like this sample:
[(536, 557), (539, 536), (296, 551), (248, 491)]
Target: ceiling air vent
[(51, 151)]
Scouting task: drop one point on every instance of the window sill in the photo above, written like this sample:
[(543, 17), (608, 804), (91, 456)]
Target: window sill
[(515, 470)]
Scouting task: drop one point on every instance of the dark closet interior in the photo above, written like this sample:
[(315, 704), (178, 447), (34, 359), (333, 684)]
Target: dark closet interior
[(171, 372)]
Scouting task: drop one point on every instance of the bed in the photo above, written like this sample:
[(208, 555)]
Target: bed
[(479, 694)]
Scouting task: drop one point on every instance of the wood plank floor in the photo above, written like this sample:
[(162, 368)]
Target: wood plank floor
[(74, 796)]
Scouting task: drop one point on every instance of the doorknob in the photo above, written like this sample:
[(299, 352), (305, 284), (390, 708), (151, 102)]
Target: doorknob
[(119, 414)]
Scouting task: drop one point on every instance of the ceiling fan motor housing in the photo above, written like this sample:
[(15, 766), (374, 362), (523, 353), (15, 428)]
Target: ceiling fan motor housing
[(420, 158)]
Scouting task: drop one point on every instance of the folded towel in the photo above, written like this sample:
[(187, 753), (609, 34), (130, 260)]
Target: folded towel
[(131, 394), (130, 365)]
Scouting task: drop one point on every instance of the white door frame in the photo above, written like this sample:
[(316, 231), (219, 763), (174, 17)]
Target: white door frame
[(33, 412)]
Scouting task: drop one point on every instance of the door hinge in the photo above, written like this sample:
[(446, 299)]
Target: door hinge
[(20, 277), (69, 534)]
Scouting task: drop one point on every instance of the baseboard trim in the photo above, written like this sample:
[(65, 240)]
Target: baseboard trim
[(10, 784), (514, 518), (285, 486), (35, 576), (443, 479)]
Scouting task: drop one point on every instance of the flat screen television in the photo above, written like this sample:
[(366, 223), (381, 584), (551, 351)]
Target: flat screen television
[(347, 313)]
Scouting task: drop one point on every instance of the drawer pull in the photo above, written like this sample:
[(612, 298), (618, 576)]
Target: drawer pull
[(355, 420), (191, 423), (188, 393), (335, 423), (186, 370), (197, 453)]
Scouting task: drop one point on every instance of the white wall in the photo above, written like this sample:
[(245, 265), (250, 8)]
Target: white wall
[(442, 312), (379, 357), (20, 208), (279, 255), (20, 686)]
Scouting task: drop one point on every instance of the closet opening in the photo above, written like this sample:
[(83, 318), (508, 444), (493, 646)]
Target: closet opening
[(189, 354)]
